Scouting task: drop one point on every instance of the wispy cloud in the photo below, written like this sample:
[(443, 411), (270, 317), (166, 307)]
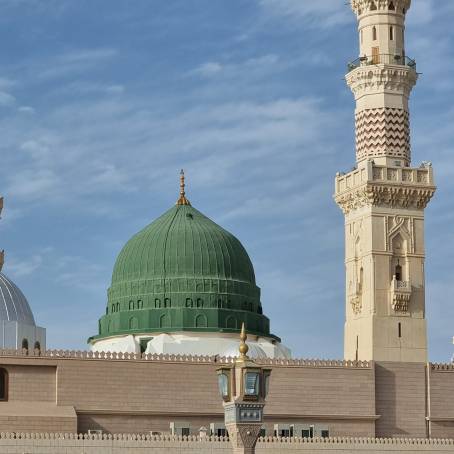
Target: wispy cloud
[(325, 13)]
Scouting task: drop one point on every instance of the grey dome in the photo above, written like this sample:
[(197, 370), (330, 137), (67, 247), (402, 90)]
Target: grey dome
[(13, 304)]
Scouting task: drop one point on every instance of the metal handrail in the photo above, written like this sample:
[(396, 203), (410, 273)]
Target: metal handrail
[(389, 59)]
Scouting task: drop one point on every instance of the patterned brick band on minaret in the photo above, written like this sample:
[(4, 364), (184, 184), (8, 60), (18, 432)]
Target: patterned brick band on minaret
[(383, 132)]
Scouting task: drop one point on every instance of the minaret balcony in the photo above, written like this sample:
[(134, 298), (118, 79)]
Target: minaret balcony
[(379, 185), (400, 296), (381, 59)]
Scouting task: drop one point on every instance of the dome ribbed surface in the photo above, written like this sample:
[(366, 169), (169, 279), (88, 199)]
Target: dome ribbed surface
[(182, 243), (183, 272), (13, 304)]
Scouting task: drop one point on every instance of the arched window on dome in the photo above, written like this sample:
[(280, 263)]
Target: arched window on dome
[(164, 321), (133, 323), (113, 308), (24, 344), (157, 303), (167, 302), (3, 384), (118, 307), (140, 304), (231, 322), (201, 321), (131, 305), (189, 302), (199, 302)]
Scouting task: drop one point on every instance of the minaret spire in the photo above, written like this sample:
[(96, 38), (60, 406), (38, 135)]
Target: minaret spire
[(244, 348), (183, 200)]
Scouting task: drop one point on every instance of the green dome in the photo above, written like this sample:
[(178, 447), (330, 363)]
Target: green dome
[(183, 272)]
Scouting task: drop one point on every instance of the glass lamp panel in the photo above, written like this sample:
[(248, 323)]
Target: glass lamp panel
[(251, 384), (223, 382)]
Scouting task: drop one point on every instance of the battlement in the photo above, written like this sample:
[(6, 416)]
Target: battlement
[(113, 356), (361, 7)]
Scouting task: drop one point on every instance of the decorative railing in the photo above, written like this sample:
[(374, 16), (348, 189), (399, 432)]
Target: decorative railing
[(150, 439), (380, 59), (114, 356)]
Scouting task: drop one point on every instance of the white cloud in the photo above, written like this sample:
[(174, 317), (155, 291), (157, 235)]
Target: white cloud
[(23, 268), (26, 109), (6, 99), (322, 13), (208, 69)]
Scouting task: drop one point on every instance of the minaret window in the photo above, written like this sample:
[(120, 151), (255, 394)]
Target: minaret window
[(374, 33), (398, 272), (391, 6), (25, 344), (391, 33), (399, 329)]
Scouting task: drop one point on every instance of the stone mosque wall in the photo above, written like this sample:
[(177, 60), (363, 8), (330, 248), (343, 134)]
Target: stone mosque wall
[(60, 391), (41, 443)]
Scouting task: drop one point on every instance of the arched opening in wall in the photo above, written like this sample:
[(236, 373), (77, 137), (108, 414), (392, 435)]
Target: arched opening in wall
[(118, 307), (157, 303), (199, 302), (399, 329), (164, 321), (391, 33), (3, 384), (399, 265), (398, 272), (189, 302), (391, 6), (140, 304), (113, 308), (133, 323), (231, 322), (167, 302), (37, 346), (373, 6), (201, 321), (374, 33), (24, 344), (131, 305)]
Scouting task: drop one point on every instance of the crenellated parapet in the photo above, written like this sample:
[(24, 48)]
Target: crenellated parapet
[(361, 7), (168, 358), (379, 185)]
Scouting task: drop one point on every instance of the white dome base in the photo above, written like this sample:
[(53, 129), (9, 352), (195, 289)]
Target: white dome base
[(187, 343)]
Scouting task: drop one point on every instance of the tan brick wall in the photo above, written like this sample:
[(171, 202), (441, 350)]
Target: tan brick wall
[(401, 399), (31, 383), (442, 401), (37, 424)]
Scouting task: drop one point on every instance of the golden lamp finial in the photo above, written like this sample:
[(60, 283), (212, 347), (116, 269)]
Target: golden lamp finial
[(182, 200), (243, 346)]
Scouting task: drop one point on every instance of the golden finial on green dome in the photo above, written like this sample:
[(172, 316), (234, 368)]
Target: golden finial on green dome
[(243, 346), (182, 200)]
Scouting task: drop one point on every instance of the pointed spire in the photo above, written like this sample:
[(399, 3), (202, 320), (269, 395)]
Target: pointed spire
[(182, 200), (243, 346)]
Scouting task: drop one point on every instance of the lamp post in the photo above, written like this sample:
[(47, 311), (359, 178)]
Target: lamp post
[(243, 387)]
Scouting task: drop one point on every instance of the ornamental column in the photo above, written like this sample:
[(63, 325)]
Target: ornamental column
[(384, 198), (243, 387)]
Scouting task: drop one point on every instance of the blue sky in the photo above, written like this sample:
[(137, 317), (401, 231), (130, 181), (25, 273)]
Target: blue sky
[(102, 102)]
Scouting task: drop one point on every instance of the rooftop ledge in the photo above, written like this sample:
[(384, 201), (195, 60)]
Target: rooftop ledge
[(381, 59)]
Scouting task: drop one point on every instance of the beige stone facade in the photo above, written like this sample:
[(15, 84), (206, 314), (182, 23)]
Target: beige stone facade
[(383, 198), (80, 392)]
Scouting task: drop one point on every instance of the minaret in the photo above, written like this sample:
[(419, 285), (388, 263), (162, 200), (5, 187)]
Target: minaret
[(383, 197)]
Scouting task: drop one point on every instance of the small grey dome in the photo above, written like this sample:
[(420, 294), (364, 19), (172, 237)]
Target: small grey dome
[(13, 304)]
